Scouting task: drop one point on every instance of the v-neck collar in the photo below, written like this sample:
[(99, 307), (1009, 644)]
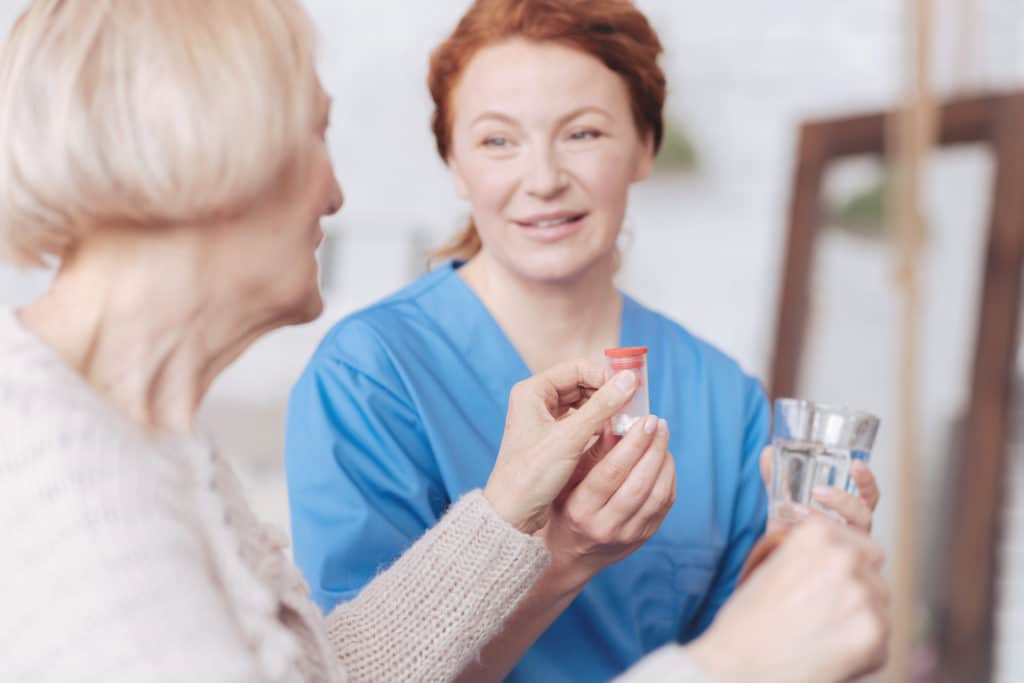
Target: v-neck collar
[(470, 325)]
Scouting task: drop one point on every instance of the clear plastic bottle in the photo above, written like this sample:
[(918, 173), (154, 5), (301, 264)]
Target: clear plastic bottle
[(634, 359)]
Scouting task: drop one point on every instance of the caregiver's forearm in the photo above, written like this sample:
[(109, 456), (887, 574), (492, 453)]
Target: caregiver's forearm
[(552, 594)]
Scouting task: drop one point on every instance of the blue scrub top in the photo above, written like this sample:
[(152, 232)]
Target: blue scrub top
[(401, 411)]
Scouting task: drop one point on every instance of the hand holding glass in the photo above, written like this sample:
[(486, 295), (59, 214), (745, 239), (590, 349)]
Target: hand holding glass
[(814, 445)]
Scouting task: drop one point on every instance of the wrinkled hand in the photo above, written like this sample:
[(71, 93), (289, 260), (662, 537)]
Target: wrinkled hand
[(816, 610), (552, 417), (625, 488), (858, 511)]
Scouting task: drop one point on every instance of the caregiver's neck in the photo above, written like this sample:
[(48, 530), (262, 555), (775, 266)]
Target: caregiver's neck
[(550, 321)]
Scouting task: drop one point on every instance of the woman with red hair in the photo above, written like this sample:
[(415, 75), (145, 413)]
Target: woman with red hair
[(546, 112)]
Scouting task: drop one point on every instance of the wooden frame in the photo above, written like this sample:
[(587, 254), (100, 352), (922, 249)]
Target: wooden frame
[(967, 619)]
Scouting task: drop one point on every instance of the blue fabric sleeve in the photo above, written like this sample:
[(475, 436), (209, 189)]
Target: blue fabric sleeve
[(751, 507), (361, 485)]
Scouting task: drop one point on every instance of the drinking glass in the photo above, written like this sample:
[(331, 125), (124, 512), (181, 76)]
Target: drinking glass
[(815, 445)]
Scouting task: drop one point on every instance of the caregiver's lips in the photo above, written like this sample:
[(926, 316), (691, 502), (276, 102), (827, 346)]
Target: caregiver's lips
[(553, 226), (552, 219)]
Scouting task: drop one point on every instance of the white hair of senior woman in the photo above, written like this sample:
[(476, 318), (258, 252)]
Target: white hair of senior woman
[(147, 113)]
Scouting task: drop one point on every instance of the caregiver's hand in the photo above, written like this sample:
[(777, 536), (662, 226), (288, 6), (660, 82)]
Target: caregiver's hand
[(858, 511), (816, 610), (544, 441), (627, 487)]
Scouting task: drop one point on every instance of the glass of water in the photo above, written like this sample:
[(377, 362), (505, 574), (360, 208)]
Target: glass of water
[(815, 445)]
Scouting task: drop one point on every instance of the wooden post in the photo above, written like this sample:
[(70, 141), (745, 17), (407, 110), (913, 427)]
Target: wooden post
[(914, 130)]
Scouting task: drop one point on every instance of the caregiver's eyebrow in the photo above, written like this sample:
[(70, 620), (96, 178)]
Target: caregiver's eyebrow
[(565, 118)]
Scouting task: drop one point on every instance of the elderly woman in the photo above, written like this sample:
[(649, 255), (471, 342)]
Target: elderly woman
[(169, 157)]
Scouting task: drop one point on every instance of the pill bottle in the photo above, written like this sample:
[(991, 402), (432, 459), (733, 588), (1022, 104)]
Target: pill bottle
[(633, 359)]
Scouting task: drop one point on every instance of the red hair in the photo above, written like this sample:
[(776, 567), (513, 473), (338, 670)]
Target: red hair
[(613, 31)]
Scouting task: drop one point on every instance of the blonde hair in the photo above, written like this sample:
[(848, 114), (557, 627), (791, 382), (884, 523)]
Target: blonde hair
[(146, 112)]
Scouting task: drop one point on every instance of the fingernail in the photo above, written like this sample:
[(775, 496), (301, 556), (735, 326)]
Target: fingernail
[(663, 426), (650, 424), (625, 380), (800, 510), (822, 492)]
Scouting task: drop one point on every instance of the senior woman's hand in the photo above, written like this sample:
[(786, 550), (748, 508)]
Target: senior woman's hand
[(624, 488), (817, 610), (858, 510), (552, 417)]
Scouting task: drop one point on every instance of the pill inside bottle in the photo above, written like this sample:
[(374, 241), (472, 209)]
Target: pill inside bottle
[(633, 359)]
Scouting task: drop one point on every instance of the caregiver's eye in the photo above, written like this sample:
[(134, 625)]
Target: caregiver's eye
[(496, 142), (586, 134)]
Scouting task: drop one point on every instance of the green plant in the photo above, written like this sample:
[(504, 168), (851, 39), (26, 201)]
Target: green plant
[(677, 152), (862, 214)]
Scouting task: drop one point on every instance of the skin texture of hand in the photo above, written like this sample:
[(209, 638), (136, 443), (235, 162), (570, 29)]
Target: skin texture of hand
[(552, 417), (625, 488), (817, 610), (856, 510), (603, 495)]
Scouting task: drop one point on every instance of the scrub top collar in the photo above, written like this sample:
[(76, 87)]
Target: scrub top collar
[(468, 323)]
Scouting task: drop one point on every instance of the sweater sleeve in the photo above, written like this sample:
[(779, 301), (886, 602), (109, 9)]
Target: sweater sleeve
[(428, 615), (668, 663)]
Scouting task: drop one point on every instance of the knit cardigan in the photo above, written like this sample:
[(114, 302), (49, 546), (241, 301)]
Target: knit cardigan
[(130, 556)]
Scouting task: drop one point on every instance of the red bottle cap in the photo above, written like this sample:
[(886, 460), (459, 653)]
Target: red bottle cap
[(627, 358)]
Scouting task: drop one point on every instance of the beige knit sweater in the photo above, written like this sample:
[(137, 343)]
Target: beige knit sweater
[(128, 557)]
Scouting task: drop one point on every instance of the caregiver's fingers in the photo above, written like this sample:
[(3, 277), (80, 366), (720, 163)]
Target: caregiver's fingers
[(767, 454), (850, 507), (867, 485)]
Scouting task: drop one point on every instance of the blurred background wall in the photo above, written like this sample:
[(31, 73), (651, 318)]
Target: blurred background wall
[(705, 236)]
